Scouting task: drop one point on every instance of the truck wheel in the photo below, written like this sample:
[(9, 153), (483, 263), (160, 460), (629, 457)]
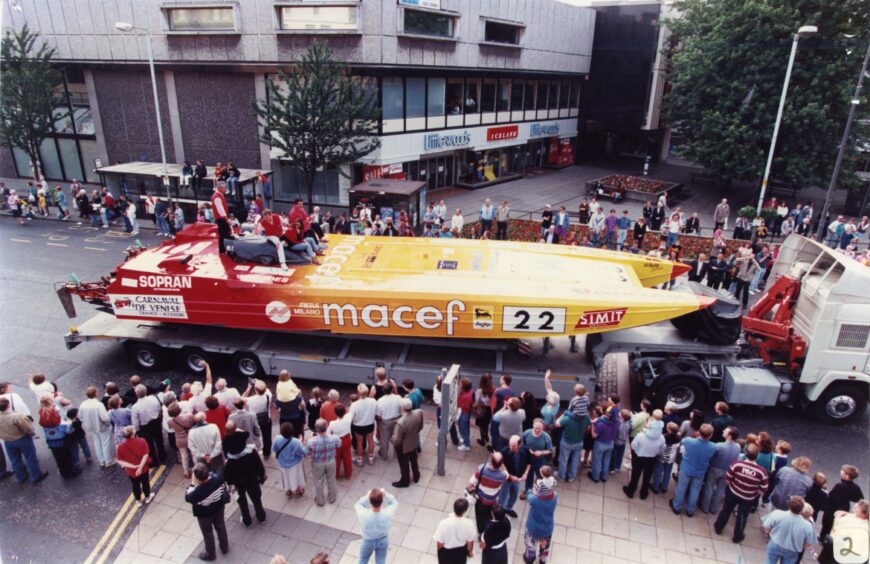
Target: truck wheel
[(840, 404), (190, 358), (145, 355), (685, 391), (247, 365)]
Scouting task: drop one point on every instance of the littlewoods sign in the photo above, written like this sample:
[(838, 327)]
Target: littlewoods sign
[(542, 129), (435, 141)]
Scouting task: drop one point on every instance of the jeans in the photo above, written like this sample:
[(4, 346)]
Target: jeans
[(743, 508), (661, 476), (232, 181), (465, 428), (507, 495), (493, 433), (595, 237), (610, 239), (569, 460), (601, 453), (616, 457), (688, 486), (378, 546), (537, 462), (714, 490), (756, 279), (779, 555), (162, 226), (672, 238), (74, 450), (620, 238), (23, 449)]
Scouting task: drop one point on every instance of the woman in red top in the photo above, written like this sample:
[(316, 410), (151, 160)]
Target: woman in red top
[(294, 236), (216, 414), (133, 457), (272, 229), (463, 404)]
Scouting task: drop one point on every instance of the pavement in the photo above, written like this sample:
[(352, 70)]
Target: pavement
[(85, 519)]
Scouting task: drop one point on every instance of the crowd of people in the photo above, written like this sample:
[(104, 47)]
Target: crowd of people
[(221, 437)]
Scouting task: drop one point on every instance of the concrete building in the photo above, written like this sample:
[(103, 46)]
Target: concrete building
[(472, 91)]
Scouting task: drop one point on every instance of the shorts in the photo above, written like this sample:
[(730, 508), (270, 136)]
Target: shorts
[(362, 430)]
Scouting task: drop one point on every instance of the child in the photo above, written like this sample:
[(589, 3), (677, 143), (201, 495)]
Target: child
[(313, 407), (546, 484), (285, 389), (579, 405), (620, 441), (655, 426), (77, 438), (588, 439), (817, 495), (665, 459), (43, 205), (671, 414), (780, 459), (807, 513), (842, 496), (721, 422)]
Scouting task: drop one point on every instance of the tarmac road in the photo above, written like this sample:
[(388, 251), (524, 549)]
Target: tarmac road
[(62, 521)]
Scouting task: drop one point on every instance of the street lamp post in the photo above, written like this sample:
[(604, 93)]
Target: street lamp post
[(803, 32), (823, 224), (126, 28)]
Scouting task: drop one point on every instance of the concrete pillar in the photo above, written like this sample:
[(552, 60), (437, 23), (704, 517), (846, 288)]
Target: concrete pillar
[(174, 119)]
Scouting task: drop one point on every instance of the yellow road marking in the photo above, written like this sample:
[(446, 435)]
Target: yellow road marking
[(95, 249), (57, 244), (20, 240), (125, 509)]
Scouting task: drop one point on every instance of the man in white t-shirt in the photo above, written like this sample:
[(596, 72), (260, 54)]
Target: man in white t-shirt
[(226, 395), (388, 411), (455, 535), (16, 403), (40, 386)]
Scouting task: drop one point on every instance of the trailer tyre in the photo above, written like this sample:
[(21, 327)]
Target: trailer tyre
[(145, 355), (247, 365), (687, 392), (190, 358), (840, 404)]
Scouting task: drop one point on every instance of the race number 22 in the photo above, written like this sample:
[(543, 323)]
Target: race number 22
[(533, 319)]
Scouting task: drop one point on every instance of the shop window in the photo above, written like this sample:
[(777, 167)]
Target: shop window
[(415, 92), (531, 86), (487, 98), (318, 18), (504, 95), (499, 32), (553, 98), (543, 89), (565, 95), (517, 95), (454, 96), (201, 19), (435, 99), (392, 105), (472, 97), (428, 23)]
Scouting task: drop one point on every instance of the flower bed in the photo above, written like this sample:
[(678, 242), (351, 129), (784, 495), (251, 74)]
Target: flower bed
[(639, 188)]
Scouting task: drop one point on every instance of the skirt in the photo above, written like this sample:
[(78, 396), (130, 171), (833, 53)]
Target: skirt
[(293, 478)]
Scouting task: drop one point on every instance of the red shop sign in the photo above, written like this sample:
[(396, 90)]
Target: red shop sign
[(502, 133)]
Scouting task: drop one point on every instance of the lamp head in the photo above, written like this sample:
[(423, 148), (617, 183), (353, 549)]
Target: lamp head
[(123, 26), (807, 31)]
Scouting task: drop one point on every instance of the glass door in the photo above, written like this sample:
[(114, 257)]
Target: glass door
[(432, 176)]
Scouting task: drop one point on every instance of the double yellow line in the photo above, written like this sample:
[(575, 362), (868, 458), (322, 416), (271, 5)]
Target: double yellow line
[(114, 532)]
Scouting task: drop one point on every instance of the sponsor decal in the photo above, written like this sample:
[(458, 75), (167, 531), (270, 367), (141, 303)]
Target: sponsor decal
[(533, 319), (278, 312), (544, 129), (600, 318), (164, 282), (483, 316), (376, 316), (435, 141), (447, 264), (129, 282), (272, 271), (332, 263), (502, 133), (162, 307)]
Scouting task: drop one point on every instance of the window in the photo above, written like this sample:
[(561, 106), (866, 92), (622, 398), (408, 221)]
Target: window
[(415, 97), (517, 95), (531, 86), (554, 95), (542, 94), (487, 96), (498, 32), (472, 98), (454, 96), (436, 97), (504, 95), (303, 18), (565, 95), (392, 99), (428, 23), (201, 19)]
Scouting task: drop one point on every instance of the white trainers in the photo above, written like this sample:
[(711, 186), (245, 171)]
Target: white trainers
[(150, 497), (463, 447), (284, 266)]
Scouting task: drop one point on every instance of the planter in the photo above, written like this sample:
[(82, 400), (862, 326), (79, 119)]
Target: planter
[(634, 188)]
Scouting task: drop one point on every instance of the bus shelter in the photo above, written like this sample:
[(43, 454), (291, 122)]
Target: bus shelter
[(389, 198), (139, 179)]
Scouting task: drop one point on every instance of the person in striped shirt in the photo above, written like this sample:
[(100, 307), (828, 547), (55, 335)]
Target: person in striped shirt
[(746, 481), (486, 484), (322, 448)]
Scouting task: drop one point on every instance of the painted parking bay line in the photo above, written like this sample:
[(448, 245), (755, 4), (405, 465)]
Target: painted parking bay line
[(57, 244), (95, 249), (20, 240)]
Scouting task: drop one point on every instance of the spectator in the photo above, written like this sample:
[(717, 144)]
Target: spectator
[(503, 393), (244, 470), (16, 403), (375, 512), (622, 438), (95, 421), (817, 495), (623, 224), (133, 457), (387, 412), (610, 230), (457, 222), (517, 461), (493, 540), (323, 448), (645, 447), (484, 396), (147, 413), (665, 459), (715, 483), (216, 414), (596, 226), (181, 424), (696, 457), (540, 447), (225, 395), (289, 453), (604, 430), (674, 228), (502, 215), (720, 214), (363, 413), (699, 269), (260, 404), (16, 432), (327, 410), (509, 419), (550, 236), (540, 523), (763, 260), (77, 438), (562, 222), (790, 534), (464, 402), (486, 483), (693, 225), (791, 481), (840, 497), (546, 218), (487, 213), (405, 441), (204, 442), (340, 427), (40, 386), (120, 417), (290, 404), (583, 212), (746, 270), (247, 421), (57, 437), (746, 481), (721, 422), (208, 495), (849, 532), (716, 270), (413, 393), (455, 536)]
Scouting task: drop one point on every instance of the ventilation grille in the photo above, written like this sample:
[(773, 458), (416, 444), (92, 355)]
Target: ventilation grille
[(853, 336)]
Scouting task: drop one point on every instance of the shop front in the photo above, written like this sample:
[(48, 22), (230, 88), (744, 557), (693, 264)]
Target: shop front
[(472, 157)]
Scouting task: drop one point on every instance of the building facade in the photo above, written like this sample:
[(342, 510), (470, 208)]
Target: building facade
[(471, 91)]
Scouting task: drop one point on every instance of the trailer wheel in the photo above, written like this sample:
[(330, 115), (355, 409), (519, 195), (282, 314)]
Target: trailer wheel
[(145, 355), (247, 365), (190, 359), (686, 392), (840, 404)]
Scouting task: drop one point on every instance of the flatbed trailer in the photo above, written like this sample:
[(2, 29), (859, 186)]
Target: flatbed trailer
[(327, 357)]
